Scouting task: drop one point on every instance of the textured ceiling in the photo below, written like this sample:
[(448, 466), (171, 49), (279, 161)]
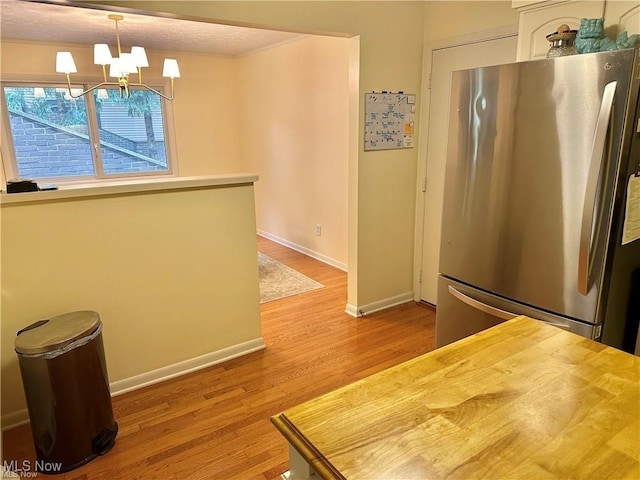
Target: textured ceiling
[(27, 20)]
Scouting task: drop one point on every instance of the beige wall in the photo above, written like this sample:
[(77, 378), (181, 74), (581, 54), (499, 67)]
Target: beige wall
[(205, 114), (294, 106), (455, 18), (173, 275)]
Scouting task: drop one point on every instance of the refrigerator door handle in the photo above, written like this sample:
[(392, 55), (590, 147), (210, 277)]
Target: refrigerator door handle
[(597, 152), (483, 307)]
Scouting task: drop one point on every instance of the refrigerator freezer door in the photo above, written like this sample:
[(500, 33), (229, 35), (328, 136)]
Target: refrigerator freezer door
[(463, 311), (521, 145)]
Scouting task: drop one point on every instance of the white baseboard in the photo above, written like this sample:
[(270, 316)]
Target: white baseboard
[(299, 248), (352, 310), (379, 305), (187, 366), (15, 419)]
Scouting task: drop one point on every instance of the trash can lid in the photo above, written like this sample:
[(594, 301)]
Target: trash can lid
[(57, 332)]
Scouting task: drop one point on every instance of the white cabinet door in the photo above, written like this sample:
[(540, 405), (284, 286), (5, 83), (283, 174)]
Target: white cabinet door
[(539, 20), (620, 16)]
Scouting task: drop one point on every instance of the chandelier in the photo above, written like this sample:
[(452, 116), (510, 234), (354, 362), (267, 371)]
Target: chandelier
[(120, 67)]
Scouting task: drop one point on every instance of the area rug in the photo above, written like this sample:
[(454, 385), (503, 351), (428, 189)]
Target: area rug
[(279, 281)]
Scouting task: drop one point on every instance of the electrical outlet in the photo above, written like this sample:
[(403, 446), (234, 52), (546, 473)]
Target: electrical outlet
[(318, 230)]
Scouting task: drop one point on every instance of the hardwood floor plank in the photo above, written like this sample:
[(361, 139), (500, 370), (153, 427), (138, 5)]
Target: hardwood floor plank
[(214, 423)]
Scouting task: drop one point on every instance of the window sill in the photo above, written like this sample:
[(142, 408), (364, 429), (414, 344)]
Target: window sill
[(127, 187)]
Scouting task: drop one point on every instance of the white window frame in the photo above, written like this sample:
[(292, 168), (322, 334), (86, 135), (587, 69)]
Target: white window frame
[(8, 153)]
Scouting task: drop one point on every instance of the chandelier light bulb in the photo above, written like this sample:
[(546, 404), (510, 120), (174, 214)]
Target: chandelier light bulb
[(101, 54), (65, 63), (116, 68), (170, 68), (139, 56)]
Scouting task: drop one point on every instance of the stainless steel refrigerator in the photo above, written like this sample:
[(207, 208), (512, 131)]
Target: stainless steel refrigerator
[(541, 155)]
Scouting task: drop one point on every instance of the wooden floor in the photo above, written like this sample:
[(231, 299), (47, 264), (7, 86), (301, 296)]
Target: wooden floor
[(214, 423)]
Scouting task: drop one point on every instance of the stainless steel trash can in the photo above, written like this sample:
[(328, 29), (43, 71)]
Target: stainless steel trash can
[(66, 385)]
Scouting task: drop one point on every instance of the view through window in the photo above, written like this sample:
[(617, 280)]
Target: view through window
[(53, 133)]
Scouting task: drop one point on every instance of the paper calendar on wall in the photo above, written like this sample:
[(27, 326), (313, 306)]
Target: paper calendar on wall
[(389, 120)]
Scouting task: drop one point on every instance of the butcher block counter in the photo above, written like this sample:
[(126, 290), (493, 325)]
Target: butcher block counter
[(520, 400)]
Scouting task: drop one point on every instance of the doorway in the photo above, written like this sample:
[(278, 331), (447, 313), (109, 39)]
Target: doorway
[(445, 60)]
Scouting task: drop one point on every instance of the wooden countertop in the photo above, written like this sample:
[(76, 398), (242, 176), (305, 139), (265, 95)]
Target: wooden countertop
[(519, 400)]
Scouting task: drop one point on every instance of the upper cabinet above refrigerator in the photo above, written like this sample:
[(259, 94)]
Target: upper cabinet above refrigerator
[(540, 18)]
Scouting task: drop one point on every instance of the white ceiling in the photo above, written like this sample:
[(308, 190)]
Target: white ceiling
[(54, 23)]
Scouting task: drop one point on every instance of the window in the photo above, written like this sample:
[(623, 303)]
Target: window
[(98, 135)]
